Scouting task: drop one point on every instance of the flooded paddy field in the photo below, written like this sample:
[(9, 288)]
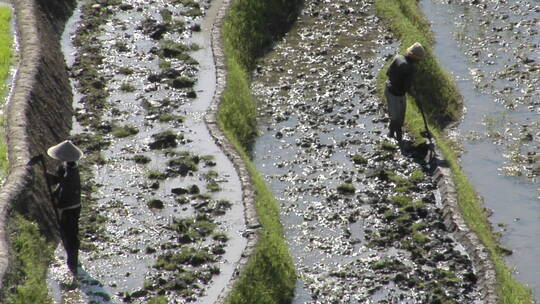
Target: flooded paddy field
[(491, 49), (361, 215), (163, 214), (162, 205)]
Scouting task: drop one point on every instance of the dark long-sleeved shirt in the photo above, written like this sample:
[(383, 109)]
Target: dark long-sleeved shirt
[(68, 192), (400, 75)]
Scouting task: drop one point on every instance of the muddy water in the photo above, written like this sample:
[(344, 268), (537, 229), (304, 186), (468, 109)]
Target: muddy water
[(120, 264), (322, 126), (492, 51)]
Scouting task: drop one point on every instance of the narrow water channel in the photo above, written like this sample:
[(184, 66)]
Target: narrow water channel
[(121, 263), (491, 49)]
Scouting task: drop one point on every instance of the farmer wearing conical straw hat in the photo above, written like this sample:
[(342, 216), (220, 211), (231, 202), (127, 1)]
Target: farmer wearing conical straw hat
[(400, 78), (68, 197)]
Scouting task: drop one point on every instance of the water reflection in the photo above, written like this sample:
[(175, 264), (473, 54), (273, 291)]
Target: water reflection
[(494, 60)]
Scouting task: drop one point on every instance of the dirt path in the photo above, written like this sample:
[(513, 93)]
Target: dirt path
[(362, 218), (163, 209)]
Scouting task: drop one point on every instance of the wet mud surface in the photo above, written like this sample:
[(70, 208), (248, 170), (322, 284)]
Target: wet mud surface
[(162, 205), (361, 216), (491, 48)]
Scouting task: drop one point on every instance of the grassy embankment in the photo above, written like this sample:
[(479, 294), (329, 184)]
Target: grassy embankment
[(440, 98), (26, 277), (250, 26), (5, 63)]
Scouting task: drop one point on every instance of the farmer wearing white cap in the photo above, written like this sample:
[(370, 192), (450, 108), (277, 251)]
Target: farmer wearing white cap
[(400, 78), (68, 197)]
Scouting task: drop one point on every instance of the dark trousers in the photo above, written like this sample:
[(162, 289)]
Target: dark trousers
[(69, 223)]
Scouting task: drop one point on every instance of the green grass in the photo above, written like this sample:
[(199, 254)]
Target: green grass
[(124, 131), (158, 300), (237, 113), (435, 88), (29, 266), (440, 99), (346, 188), (5, 63), (269, 276), (249, 27)]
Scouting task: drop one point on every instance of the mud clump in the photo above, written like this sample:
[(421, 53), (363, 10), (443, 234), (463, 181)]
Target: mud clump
[(156, 204), (165, 139)]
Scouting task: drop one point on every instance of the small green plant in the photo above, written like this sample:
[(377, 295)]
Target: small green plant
[(155, 174), (387, 263), (166, 15), (210, 175), (125, 70), (193, 228), (401, 200), (182, 82), (141, 159), (213, 186), (190, 3), (167, 117), (194, 12), (420, 238), (220, 236), (124, 131), (446, 276), (204, 196), (416, 177), (402, 183), (178, 25), (127, 87), (158, 300), (97, 158), (183, 164), (388, 146), (359, 159), (194, 47), (214, 270), (186, 256), (418, 226), (164, 64), (121, 46), (172, 49), (346, 188)]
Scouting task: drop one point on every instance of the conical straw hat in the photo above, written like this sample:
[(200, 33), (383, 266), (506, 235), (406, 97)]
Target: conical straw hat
[(65, 151)]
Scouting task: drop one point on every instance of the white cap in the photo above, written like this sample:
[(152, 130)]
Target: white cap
[(416, 51)]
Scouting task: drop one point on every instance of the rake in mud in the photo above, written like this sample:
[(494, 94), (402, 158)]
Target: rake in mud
[(430, 153)]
